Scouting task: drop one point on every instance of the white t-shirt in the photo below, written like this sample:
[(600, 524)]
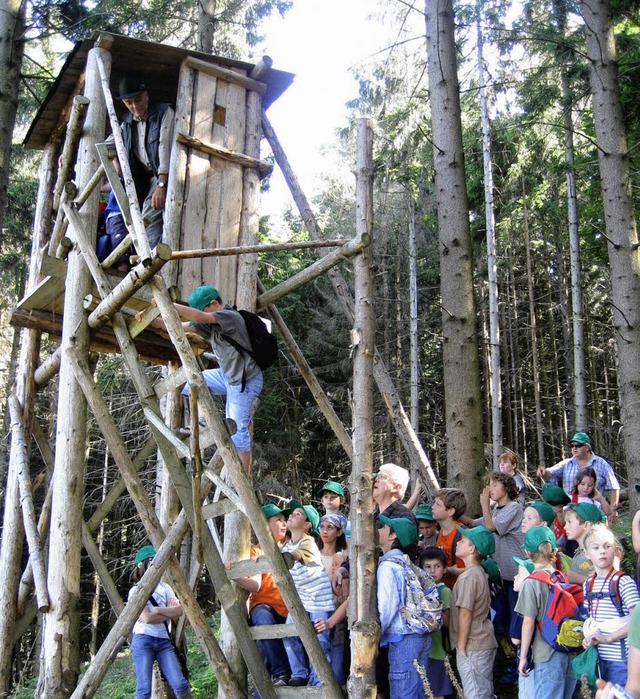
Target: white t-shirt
[(162, 594)]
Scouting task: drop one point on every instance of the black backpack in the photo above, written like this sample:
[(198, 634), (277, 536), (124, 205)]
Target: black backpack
[(264, 346)]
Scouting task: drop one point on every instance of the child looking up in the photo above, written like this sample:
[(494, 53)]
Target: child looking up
[(470, 629), (333, 552), (608, 623), (448, 506), (578, 519), (584, 490), (397, 535), (313, 586), (552, 672), (434, 562), (508, 463)]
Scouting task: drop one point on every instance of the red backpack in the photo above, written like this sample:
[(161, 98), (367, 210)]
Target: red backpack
[(561, 625)]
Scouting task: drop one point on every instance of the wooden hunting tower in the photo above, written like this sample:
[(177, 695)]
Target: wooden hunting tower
[(210, 237)]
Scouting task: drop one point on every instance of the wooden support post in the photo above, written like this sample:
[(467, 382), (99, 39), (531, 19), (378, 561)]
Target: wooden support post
[(138, 231), (310, 378), (261, 247), (415, 453), (61, 628), (18, 442), (101, 569), (68, 193), (48, 369), (79, 107), (317, 269), (363, 608)]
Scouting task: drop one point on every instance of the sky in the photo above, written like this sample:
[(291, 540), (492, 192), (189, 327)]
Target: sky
[(319, 41)]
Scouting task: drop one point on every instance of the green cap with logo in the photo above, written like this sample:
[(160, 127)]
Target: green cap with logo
[(333, 487), (481, 538), (404, 528), (310, 512), (202, 296), (425, 512), (145, 553), (581, 438), (536, 536)]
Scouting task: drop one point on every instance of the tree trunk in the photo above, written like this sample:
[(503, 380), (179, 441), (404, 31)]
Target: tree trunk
[(492, 268), (12, 40), (621, 232), (365, 629), (61, 636), (414, 347), (463, 403)]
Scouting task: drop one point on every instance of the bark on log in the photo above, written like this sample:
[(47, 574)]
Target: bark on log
[(74, 130), (18, 442), (363, 608)]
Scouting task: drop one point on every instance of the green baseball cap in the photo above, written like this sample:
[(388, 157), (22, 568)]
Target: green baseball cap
[(554, 494), (333, 487), (310, 511), (202, 296), (588, 512), (271, 510), (144, 553), (544, 509), (538, 535), (424, 511), (481, 538), (581, 438), (405, 529), (525, 563)]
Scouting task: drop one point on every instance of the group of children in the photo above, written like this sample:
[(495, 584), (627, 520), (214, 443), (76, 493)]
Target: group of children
[(495, 576)]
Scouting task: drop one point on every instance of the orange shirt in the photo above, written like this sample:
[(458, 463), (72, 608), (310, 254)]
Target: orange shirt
[(268, 592), (445, 542)]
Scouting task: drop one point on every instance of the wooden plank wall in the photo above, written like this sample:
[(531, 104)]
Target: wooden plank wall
[(213, 187)]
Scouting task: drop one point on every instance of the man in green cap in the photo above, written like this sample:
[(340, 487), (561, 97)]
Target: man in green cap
[(238, 376), (565, 471)]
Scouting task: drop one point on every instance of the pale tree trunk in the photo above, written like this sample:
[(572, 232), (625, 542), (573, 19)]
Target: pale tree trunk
[(12, 528), (414, 346), (12, 39), (621, 232), (463, 402), (206, 25), (535, 359), (492, 267), (62, 622), (577, 319), (363, 615)]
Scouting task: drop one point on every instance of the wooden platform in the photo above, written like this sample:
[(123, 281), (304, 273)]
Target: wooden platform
[(43, 308)]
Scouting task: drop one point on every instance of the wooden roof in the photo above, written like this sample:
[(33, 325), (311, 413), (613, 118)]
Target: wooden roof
[(158, 64)]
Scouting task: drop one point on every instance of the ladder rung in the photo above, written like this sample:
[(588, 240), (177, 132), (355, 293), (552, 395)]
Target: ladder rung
[(218, 509), (248, 567), (260, 633), (298, 692)]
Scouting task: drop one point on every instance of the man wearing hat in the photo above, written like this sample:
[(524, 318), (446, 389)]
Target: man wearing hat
[(147, 131), (238, 376), (565, 471)]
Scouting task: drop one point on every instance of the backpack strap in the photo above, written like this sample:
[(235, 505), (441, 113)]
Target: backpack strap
[(613, 593)]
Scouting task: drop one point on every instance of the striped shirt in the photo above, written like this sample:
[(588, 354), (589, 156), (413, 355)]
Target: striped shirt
[(310, 577), (603, 609)]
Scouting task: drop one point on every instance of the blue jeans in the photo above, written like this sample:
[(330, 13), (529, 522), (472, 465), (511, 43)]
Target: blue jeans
[(238, 404), (613, 671), (555, 679), (504, 604), (300, 667), (144, 650), (404, 680), (337, 660), (272, 650)]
